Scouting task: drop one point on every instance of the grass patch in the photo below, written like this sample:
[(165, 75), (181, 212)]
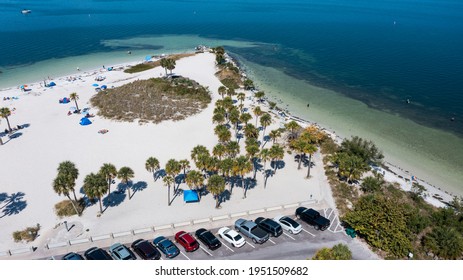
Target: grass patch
[(229, 76), (65, 209), (152, 100), (152, 64), (28, 234)]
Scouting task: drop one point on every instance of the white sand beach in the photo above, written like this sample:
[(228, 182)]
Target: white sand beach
[(50, 136)]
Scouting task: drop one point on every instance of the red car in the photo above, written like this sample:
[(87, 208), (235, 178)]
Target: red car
[(187, 241)]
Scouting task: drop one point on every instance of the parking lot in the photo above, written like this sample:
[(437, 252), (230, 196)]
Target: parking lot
[(286, 246)]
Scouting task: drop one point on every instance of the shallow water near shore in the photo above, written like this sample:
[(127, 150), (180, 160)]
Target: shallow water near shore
[(432, 155)]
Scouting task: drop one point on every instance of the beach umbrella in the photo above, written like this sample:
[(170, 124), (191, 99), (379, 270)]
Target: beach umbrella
[(95, 85), (85, 121), (104, 87)]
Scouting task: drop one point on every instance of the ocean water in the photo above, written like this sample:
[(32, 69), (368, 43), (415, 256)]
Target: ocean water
[(372, 55)]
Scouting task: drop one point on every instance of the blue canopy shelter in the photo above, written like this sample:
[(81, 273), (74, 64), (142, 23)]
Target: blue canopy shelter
[(85, 121), (190, 196)]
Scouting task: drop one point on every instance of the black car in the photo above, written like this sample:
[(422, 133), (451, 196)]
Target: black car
[(208, 239), (95, 253), (72, 256), (270, 226), (312, 217), (146, 250)]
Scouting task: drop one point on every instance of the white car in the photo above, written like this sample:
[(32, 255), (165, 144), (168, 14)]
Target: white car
[(288, 224), (231, 236)]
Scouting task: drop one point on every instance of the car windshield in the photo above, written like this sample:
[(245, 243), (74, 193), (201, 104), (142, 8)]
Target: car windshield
[(293, 223)]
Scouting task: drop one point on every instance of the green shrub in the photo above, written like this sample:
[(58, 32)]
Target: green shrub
[(65, 208)]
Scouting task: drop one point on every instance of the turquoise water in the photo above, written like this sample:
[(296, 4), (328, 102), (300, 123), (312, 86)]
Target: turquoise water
[(377, 53)]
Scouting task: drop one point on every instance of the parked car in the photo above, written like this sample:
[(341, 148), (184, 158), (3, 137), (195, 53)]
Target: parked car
[(251, 230), (208, 238), (72, 256), (231, 236), (166, 246), (120, 252), (312, 217), (187, 241), (288, 224), (145, 250), (95, 253), (270, 226)]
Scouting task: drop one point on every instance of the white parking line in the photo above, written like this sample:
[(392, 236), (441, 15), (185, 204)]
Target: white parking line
[(204, 249), (309, 232), (228, 247), (289, 236), (271, 241), (332, 211), (185, 255), (250, 244)]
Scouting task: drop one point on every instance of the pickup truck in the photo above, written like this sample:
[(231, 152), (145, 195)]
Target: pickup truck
[(312, 217), (251, 230)]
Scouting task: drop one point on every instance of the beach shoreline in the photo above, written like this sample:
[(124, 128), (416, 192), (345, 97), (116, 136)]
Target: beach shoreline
[(40, 98)]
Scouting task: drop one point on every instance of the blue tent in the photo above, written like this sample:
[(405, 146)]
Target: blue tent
[(148, 57), (85, 121), (51, 84), (190, 196), (104, 87)]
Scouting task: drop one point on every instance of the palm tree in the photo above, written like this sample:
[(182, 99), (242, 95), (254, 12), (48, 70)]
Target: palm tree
[(264, 155), (233, 148), (213, 165), (203, 162), (152, 165), (95, 187), (218, 118), (265, 121), (252, 150), (274, 134), (242, 167), (245, 118), (222, 90), (168, 181), (216, 186), (5, 113), (172, 168), (219, 151), (293, 127), (257, 112), (125, 174), (61, 186), (70, 171), (222, 133), (164, 64), (109, 172), (241, 96), (350, 167), (226, 166), (310, 150), (234, 117), (198, 151), (170, 64), (184, 165), (259, 95), (250, 131), (75, 97), (195, 179), (276, 152)]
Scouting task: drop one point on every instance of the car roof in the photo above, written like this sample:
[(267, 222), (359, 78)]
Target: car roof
[(187, 237)]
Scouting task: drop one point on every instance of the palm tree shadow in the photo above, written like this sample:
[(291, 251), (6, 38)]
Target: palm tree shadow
[(177, 192), (278, 164), (139, 186), (161, 173), (256, 162), (13, 136), (304, 158), (114, 199), (14, 204), (268, 173), (3, 197), (249, 183), (224, 196)]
